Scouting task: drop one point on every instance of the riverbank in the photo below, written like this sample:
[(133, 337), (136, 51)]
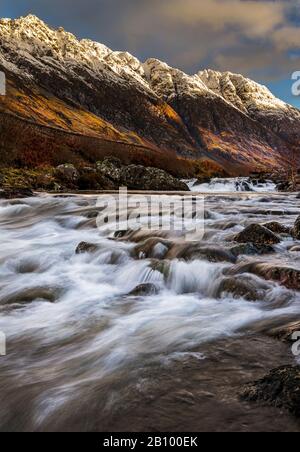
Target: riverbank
[(108, 176)]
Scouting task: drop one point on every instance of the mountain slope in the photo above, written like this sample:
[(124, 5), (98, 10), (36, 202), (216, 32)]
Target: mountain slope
[(256, 101), (78, 100)]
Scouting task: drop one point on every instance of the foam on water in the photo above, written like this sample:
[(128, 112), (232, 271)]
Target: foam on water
[(241, 184)]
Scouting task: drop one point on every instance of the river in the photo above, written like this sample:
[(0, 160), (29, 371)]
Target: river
[(84, 355)]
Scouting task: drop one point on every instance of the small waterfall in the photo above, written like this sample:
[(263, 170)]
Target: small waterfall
[(239, 184)]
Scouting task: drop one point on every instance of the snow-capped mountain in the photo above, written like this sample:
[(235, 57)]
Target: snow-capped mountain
[(78, 99)]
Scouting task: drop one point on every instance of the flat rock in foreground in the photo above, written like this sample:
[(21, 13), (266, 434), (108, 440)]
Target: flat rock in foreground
[(280, 388)]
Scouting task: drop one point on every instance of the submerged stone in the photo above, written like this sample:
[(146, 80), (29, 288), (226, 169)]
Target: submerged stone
[(85, 247), (143, 290)]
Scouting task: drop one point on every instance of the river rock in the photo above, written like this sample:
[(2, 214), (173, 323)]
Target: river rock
[(242, 287), (264, 200), (152, 248), (250, 249), (192, 251), (16, 193), (143, 290), (284, 275), (277, 228), (285, 332), (111, 168), (257, 234), (138, 177), (296, 229), (283, 186), (160, 266), (295, 249), (141, 235), (95, 181), (85, 247), (280, 388), (67, 172), (31, 294), (243, 186)]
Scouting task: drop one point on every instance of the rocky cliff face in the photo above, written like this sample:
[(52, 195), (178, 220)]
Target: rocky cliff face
[(78, 100)]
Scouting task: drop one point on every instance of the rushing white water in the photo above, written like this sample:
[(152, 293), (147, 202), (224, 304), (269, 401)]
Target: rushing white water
[(70, 322), (241, 184)]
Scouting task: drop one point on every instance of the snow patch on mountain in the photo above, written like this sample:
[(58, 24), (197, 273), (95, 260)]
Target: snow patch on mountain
[(168, 82), (58, 50), (245, 94)]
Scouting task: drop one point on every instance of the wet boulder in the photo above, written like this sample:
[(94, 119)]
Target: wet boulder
[(141, 235), (85, 247), (285, 332), (193, 251), (144, 290), (243, 186), (277, 228), (295, 249), (120, 234), (160, 266), (257, 234), (284, 275), (250, 249), (264, 200), (242, 287), (16, 193), (280, 388), (152, 248), (31, 294), (296, 229)]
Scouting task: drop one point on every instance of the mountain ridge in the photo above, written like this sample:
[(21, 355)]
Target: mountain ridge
[(57, 80)]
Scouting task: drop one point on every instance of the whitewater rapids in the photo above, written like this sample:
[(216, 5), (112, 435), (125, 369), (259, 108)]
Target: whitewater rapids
[(231, 185), (84, 354)]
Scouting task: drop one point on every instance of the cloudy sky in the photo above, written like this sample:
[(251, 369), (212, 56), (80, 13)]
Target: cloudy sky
[(260, 39)]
